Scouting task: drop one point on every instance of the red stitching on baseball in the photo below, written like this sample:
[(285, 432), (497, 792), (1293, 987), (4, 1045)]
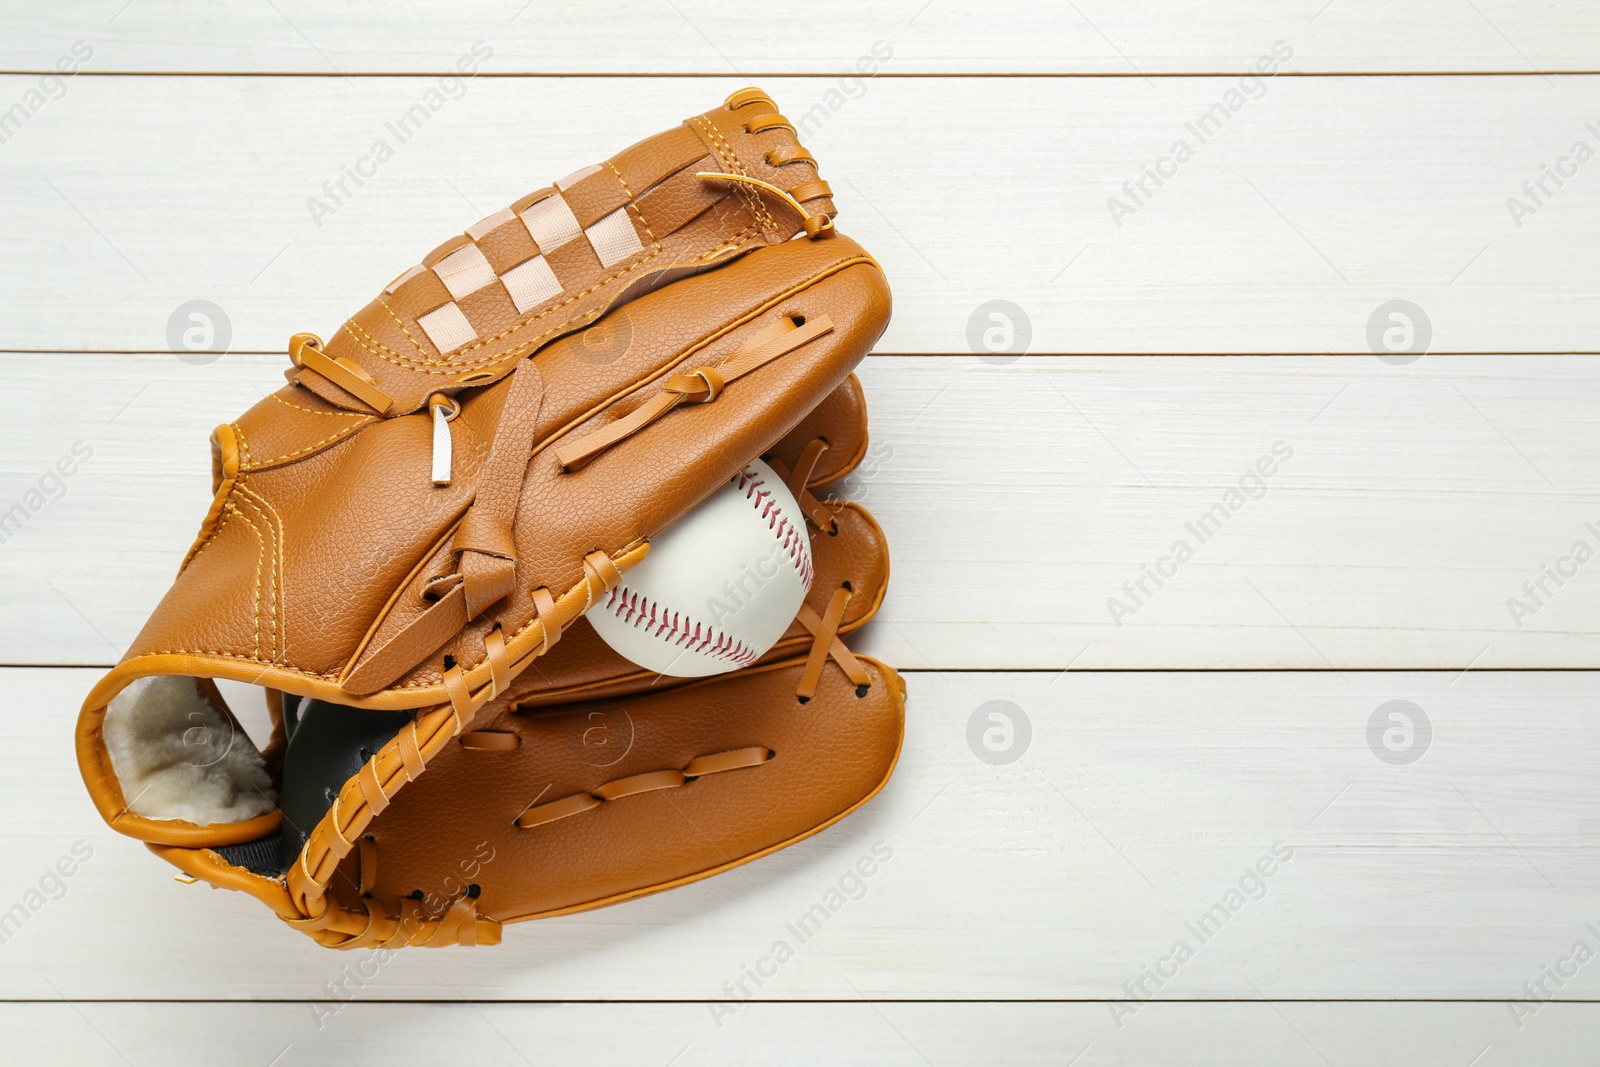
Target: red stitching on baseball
[(790, 537), (636, 609)]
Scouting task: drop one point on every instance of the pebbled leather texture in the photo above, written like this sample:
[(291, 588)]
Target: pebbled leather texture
[(830, 756), (309, 564), (470, 462), (448, 863)]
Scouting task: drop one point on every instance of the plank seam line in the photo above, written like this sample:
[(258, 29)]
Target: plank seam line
[(805, 1000), (750, 76)]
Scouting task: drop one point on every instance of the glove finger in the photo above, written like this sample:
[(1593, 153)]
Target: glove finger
[(841, 422), (582, 806)]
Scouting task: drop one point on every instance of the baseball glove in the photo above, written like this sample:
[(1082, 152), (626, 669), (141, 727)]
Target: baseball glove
[(471, 463), (507, 845)]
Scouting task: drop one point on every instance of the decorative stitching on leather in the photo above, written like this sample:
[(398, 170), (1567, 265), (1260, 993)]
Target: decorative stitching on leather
[(449, 365), (274, 523), (239, 656), (733, 244), (788, 534), (378, 348), (752, 200), (638, 610), (244, 445), (370, 344), (247, 464), (634, 204), (256, 589), (423, 352), (262, 556), (222, 520), (311, 411)]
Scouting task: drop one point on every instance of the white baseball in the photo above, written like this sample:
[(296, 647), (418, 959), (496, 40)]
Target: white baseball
[(720, 585)]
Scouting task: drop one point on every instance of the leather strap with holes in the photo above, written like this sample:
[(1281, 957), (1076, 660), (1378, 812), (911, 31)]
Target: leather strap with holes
[(405, 757), (648, 782), (697, 387), (825, 643)]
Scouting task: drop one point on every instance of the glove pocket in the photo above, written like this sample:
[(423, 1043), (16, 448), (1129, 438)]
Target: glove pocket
[(585, 805)]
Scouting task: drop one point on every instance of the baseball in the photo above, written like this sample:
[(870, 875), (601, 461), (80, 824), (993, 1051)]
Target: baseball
[(719, 587)]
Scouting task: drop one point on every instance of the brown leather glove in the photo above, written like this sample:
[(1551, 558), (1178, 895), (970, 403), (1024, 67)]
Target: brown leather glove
[(502, 848), (474, 459)]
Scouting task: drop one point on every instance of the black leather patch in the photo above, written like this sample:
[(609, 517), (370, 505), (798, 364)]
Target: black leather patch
[(328, 746)]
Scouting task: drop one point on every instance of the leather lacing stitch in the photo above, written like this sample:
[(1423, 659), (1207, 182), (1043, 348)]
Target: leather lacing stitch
[(456, 924), (824, 628), (368, 794), (650, 781), (781, 156), (460, 923)]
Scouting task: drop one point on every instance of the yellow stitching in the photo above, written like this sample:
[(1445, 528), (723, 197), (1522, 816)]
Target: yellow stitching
[(234, 656), (256, 591), (310, 411), (370, 344), (261, 560), (512, 353), (634, 204), (423, 352), (247, 465), (267, 565), (454, 365), (276, 529), (244, 446), (222, 520), (753, 200), (367, 341)]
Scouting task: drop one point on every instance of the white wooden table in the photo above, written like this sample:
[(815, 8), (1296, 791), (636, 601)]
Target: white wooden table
[(1430, 885)]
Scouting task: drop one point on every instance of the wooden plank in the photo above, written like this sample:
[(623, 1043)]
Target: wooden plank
[(1018, 501), (720, 36), (1203, 1035), (1290, 226), (1140, 804)]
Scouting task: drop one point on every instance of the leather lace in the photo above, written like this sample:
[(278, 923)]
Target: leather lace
[(648, 782), (824, 628)]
